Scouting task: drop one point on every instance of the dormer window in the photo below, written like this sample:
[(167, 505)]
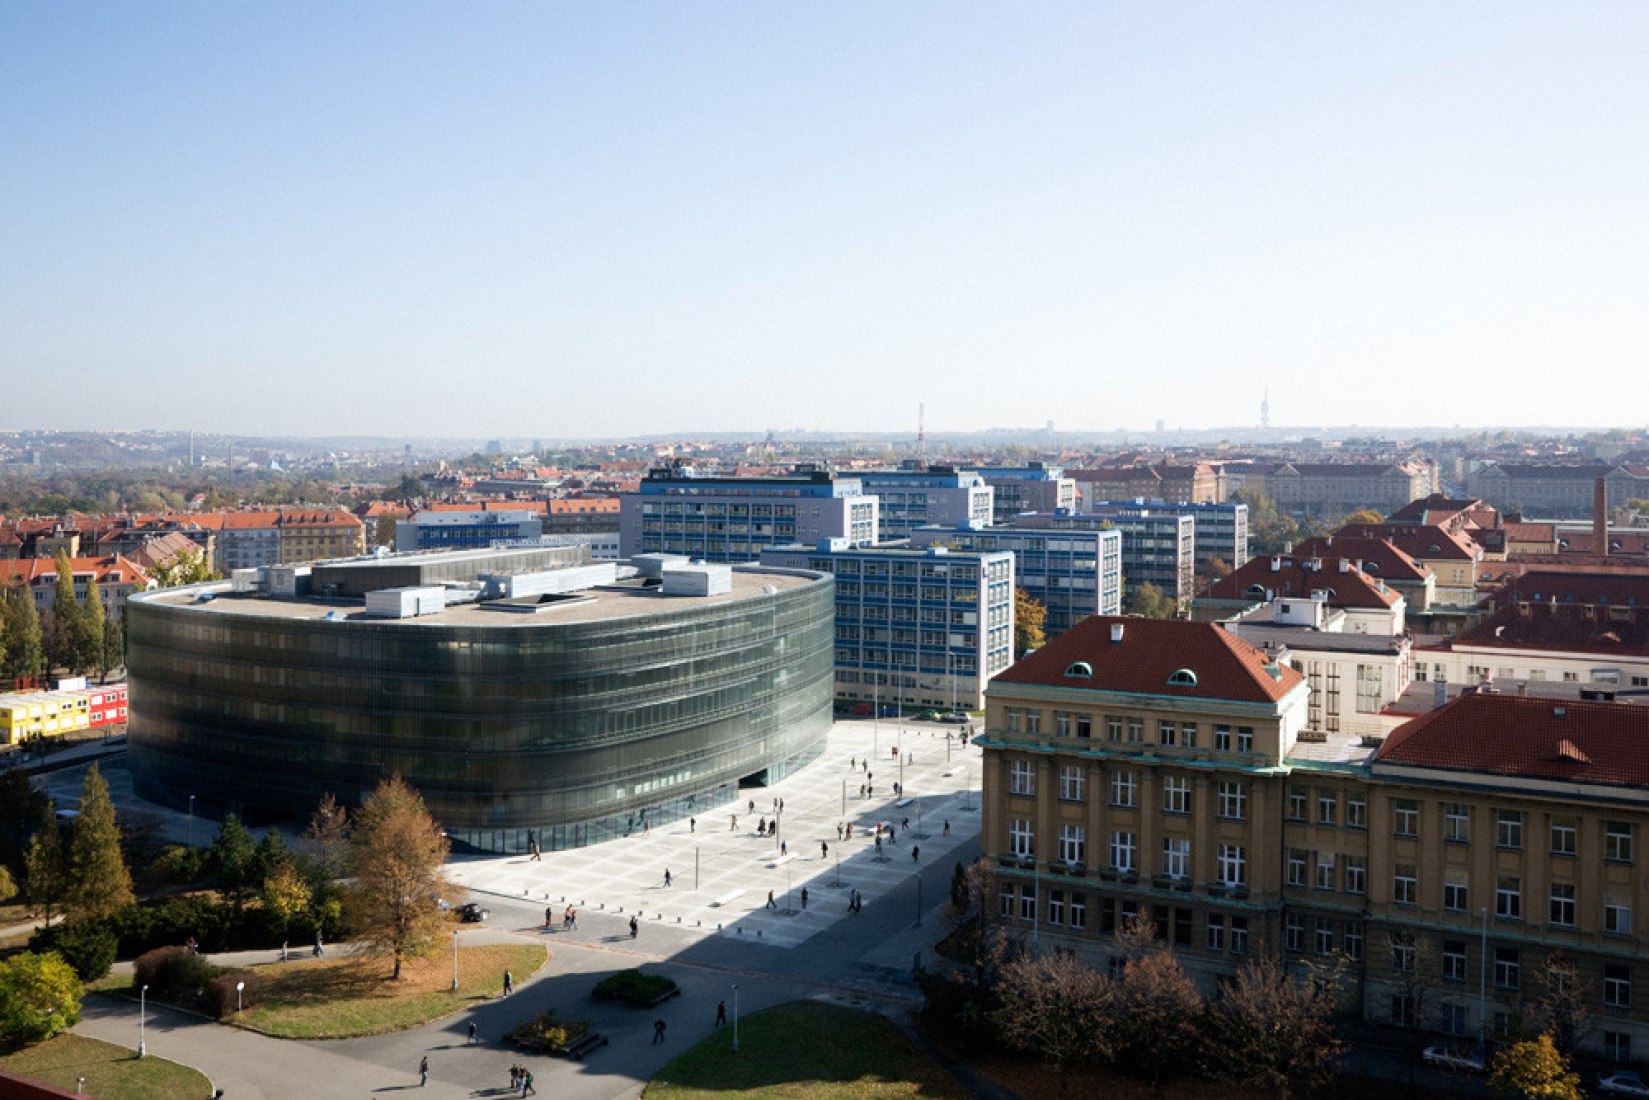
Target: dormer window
[(1183, 677), (1255, 591), (1081, 670)]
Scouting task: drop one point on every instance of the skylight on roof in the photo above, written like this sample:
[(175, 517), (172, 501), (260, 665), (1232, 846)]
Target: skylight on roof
[(1183, 677)]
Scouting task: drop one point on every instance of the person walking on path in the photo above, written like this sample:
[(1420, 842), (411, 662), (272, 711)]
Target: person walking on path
[(549, 915), (667, 878), (633, 927), (509, 983), (283, 951), (947, 826), (804, 897), (319, 943), (770, 902), (915, 853), (472, 1038), (423, 1072), (692, 824), (721, 1013), (526, 1083), (658, 1030), (824, 845), (838, 830)]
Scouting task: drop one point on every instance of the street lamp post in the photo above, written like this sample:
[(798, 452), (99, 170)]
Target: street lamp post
[(142, 1014), (240, 987), (735, 1017), (455, 960)]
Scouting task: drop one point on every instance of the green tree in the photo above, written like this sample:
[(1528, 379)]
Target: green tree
[(1030, 619), (45, 865), (286, 895), (1269, 531), (88, 631), (25, 652), (99, 884), (60, 631), (396, 855), (189, 567), (114, 644), (8, 885), (1534, 1069), (1363, 517), (233, 861), (39, 997), (1151, 602), (272, 854)]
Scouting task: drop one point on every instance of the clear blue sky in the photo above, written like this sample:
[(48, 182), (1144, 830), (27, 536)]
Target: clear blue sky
[(556, 220)]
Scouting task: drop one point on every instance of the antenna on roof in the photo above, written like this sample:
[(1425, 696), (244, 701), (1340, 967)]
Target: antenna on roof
[(921, 433)]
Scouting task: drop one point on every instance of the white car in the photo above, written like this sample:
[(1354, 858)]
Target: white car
[(1455, 1058), (1623, 1083)]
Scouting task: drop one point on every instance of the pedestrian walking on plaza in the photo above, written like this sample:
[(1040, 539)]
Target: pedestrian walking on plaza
[(658, 1030), (861, 790), (838, 830), (692, 824), (472, 1031), (667, 878), (516, 1073), (804, 897), (947, 826), (549, 915), (633, 927), (752, 805), (770, 902), (318, 943), (526, 1083), (852, 762), (283, 951), (824, 845), (784, 847), (850, 830), (915, 853), (733, 823), (509, 984), (904, 823), (721, 1013), (423, 1072)]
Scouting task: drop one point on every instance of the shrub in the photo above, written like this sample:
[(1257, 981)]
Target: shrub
[(88, 948), (633, 986), (39, 996), (175, 973), (218, 997), (549, 1030)]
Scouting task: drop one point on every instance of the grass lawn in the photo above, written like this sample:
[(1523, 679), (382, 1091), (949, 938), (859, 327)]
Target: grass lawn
[(809, 1050), (111, 1072), (335, 998)]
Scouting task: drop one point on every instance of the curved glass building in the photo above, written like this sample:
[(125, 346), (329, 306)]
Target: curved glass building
[(568, 717)]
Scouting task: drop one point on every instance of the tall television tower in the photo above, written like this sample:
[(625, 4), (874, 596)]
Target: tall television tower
[(1265, 409)]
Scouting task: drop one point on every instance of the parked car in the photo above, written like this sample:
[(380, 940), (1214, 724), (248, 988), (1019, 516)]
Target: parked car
[(928, 716), (472, 913), (1455, 1058), (956, 717), (1622, 1083)]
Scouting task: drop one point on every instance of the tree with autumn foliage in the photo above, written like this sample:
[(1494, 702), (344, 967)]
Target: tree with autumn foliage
[(396, 855), (1273, 1032), (1030, 621), (1534, 1069), (1055, 1007)]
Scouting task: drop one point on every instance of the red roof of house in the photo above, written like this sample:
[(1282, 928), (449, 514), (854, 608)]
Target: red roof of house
[(1527, 737), (107, 571), (1422, 541), (1586, 612), (1378, 556), (1298, 575), (1149, 652)]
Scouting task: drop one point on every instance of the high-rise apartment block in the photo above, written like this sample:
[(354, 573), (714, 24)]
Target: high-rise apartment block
[(912, 498), (1030, 488), (1073, 574)]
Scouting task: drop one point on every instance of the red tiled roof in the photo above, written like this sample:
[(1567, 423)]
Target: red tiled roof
[(1577, 742), (1423, 542), (1150, 651), (1294, 576), (1379, 556), (1586, 612), (107, 571)]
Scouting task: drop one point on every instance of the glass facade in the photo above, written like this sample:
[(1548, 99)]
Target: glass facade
[(580, 731)]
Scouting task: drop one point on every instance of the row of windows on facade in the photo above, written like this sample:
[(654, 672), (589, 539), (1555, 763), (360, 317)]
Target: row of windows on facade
[(1562, 830), (933, 594), (1231, 860), (1231, 796), (1069, 910), (1439, 673), (1128, 730)]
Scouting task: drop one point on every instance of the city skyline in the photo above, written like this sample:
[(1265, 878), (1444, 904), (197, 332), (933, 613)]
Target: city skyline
[(596, 222)]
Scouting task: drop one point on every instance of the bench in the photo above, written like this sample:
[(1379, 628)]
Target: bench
[(727, 899), (786, 858), (903, 802), (578, 1048)]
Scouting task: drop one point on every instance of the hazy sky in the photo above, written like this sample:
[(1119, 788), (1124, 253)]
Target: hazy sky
[(562, 220)]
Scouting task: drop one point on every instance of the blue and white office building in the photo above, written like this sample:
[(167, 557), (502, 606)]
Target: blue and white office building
[(1073, 574), (1222, 528), (919, 628), (912, 498), (679, 510), (1029, 488), (465, 530), (1157, 547)]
